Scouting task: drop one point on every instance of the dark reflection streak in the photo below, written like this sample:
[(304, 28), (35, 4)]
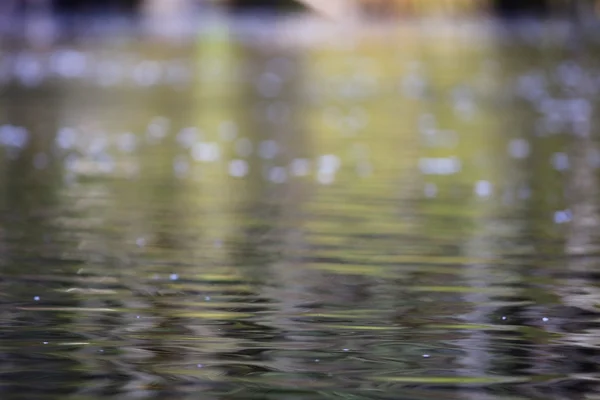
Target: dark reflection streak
[(267, 213), (530, 175), (580, 292), (170, 198), (30, 185)]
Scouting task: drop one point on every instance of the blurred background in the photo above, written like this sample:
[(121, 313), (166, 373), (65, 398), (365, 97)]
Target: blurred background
[(388, 8), (329, 199)]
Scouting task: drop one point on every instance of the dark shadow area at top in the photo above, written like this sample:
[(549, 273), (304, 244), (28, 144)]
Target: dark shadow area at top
[(515, 8)]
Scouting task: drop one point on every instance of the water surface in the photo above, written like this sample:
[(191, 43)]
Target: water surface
[(277, 212)]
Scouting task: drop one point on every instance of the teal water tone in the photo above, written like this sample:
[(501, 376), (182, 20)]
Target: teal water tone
[(301, 210)]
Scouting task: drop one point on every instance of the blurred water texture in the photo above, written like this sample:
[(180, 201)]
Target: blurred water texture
[(297, 209)]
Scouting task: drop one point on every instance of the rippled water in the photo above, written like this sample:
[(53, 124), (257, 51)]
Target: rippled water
[(289, 213)]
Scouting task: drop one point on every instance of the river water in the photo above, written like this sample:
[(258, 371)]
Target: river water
[(292, 210)]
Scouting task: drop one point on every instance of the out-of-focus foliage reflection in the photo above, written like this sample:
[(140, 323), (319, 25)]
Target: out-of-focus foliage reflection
[(301, 211)]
